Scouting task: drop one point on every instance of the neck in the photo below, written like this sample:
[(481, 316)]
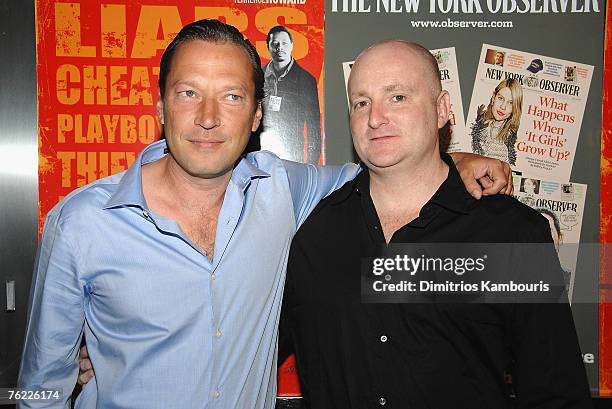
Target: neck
[(279, 66), (407, 189), (498, 124), (166, 180)]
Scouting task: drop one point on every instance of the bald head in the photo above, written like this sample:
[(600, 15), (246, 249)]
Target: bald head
[(397, 106), (430, 72)]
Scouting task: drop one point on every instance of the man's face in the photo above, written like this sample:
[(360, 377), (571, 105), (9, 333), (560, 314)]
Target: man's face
[(499, 58), (529, 186), (395, 112), (209, 108), (280, 47)]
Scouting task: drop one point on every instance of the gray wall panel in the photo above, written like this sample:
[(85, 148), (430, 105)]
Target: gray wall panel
[(18, 174)]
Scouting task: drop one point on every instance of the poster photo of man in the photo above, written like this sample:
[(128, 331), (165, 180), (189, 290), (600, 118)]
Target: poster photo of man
[(292, 120), (495, 57)]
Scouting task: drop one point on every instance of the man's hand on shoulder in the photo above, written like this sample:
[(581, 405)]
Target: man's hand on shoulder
[(482, 175), (86, 371)]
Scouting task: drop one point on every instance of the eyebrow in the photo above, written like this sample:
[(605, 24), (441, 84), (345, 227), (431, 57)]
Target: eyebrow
[(392, 87), (387, 89), (400, 87), (228, 87)]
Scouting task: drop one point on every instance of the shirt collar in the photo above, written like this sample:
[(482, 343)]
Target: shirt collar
[(129, 191), (359, 185), (245, 171), (451, 194), (271, 72)]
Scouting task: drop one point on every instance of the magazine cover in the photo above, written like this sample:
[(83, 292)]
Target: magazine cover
[(562, 204), (526, 109), (451, 138)]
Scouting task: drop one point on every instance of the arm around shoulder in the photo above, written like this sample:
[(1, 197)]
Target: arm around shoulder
[(309, 184)]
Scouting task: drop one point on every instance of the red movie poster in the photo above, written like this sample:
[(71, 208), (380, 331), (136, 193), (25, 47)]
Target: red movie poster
[(98, 67), (605, 275)]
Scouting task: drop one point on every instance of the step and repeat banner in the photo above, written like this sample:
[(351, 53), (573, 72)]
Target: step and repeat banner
[(98, 67)]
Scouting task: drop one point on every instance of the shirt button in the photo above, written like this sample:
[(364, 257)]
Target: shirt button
[(213, 276), (218, 334), (145, 214), (375, 227), (382, 401), (216, 394), (383, 338)]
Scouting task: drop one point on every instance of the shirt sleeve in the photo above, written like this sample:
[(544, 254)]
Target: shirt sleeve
[(309, 184), (549, 372), (55, 320)]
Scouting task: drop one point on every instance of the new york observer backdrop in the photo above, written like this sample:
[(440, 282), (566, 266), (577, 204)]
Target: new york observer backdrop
[(572, 30)]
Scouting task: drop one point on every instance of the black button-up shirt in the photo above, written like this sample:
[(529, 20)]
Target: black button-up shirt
[(356, 355)]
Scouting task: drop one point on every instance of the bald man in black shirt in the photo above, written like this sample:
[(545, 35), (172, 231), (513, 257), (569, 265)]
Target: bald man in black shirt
[(356, 355)]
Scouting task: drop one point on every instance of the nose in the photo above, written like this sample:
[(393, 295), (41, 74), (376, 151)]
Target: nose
[(207, 115), (504, 104), (378, 115)]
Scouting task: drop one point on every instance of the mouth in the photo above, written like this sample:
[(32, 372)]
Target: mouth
[(382, 138), (206, 144), (501, 114)]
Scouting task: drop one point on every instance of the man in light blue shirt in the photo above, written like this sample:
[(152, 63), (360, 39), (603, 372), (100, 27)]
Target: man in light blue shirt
[(174, 269)]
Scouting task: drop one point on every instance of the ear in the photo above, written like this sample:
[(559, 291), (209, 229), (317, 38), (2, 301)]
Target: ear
[(257, 117), (160, 108), (443, 105)]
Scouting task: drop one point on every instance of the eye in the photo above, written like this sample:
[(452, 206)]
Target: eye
[(398, 98), (233, 97), (188, 93), (359, 105)]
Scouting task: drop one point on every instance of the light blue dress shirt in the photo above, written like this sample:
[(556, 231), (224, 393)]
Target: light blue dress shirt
[(166, 327)]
